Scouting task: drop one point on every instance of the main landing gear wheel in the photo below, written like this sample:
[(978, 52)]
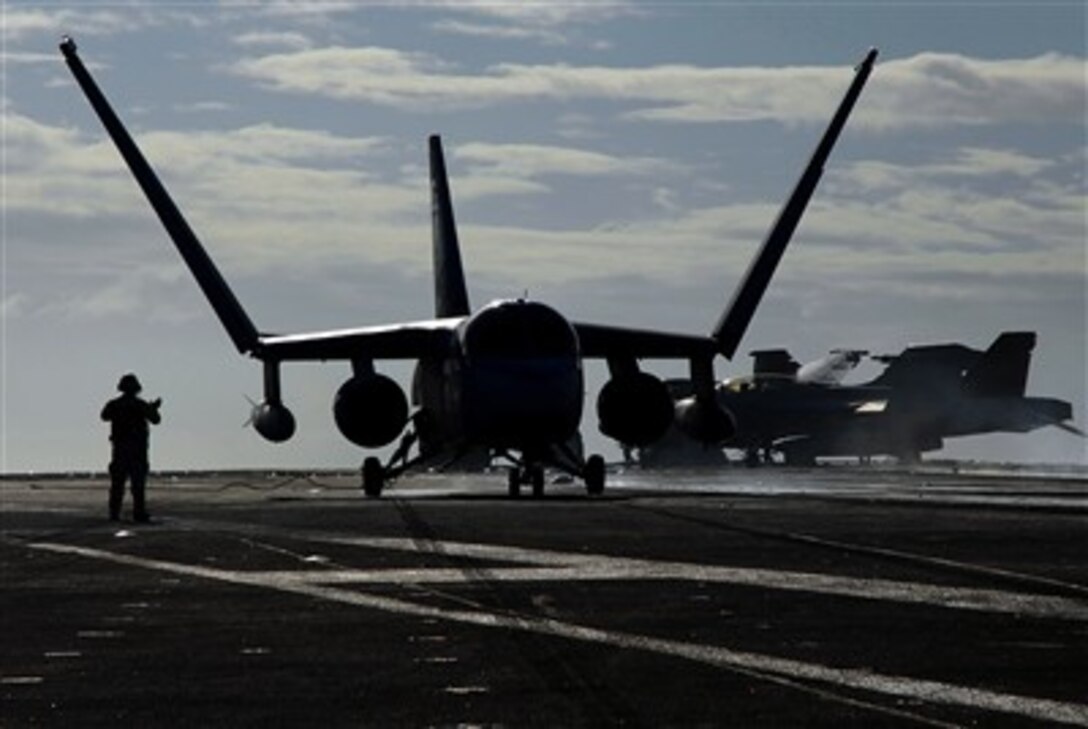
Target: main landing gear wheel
[(532, 475), (536, 480), (373, 477), (593, 473), (751, 457)]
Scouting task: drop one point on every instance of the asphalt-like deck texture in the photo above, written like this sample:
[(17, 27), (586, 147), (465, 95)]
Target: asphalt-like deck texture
[(740, 598)]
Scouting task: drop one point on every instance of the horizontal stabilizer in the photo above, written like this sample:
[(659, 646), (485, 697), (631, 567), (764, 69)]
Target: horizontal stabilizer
[(1070, 428)]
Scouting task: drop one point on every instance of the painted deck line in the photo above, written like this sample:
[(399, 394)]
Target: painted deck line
[(720, 656)]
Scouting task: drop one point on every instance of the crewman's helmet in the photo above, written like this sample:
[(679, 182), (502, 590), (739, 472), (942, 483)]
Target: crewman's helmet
[(129, 384)]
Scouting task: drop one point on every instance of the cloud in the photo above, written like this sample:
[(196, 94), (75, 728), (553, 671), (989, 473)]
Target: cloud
[(534, 20), (59, 170), (533, 160), (200, 107), (21, 21), (144, 291), (966, 162), (500, 32), (265, 197), (263, 141), (268, 196), (13, 306), (976, 200), (284, 39), (16, 58), (573, 125), (293, 8), (53, 169), (540, 14), (942, 89), (260, 196), (928, 89)]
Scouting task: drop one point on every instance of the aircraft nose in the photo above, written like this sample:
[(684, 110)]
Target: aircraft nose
[(516, 403)]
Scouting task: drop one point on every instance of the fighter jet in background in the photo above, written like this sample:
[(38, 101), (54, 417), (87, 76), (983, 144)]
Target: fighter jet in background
[(935, 392), (506, 378), (926, 394)]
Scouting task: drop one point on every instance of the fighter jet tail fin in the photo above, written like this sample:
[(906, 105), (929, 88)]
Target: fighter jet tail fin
[(774, 362), (738, 314), (450, 292), (1003, 370), (234, 319)]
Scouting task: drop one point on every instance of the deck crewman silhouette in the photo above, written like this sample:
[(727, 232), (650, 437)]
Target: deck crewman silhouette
[(129, 416)]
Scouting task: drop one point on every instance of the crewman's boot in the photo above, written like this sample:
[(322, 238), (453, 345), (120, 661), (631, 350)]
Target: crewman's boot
[(139, 498), (115, 508), (117, 491), (139, 511)]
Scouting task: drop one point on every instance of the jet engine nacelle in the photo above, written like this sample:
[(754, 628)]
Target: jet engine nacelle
[(634, 409), (370, 410), (704, 421), (273, 421)]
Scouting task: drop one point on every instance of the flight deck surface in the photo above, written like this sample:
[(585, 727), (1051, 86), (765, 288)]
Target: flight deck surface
[(738, 597)]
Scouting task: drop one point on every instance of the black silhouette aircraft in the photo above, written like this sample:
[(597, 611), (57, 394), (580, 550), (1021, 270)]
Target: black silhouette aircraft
[(930, 393), (505, 379), (925, 394)]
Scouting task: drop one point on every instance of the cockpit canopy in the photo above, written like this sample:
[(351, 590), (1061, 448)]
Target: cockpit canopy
[(518, 329)]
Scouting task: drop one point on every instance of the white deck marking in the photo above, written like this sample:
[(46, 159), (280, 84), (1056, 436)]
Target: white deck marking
[(569, 566), (898, 686), (982, 570), (572, 566)]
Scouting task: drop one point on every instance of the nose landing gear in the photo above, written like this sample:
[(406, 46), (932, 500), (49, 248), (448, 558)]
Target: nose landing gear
[(521, 471), (591, 471)]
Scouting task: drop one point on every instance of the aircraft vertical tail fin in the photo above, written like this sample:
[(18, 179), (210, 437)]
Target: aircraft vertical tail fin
[(774, 362), (234, 319), (738, 314), (1003, 370), (450, 293)]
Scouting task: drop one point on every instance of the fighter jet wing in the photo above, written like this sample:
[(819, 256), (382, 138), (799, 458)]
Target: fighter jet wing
[(609, 341), (411, 340)]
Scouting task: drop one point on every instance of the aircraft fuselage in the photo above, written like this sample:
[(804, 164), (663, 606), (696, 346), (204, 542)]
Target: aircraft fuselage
[(513, 380)]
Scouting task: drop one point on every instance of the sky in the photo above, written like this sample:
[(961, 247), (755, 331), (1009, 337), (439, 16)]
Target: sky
[(620, 161)]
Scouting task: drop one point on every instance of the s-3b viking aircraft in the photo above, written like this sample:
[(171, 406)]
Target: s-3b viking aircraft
[(505, 379)]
